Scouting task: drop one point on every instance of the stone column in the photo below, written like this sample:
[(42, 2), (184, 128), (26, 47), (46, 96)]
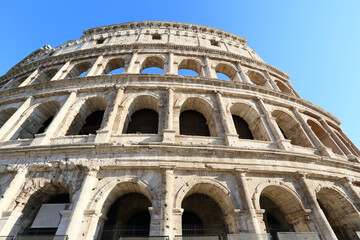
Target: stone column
[(243, 76), (351, 144), (210, 72), (133, 64), (177, 222), (13, 189), (98, 67), (61, 74), (231, 137), (95, 225), (9, 223), (155, 222), (336, 139), (325, 229), (347, 183), (7, 130), (30, 79), (80, 202), (282, 143), (169, 132), (252, 221), (272, 84), (167, 222), (104, 134), (170, 68), (314, 139), (45, 138)]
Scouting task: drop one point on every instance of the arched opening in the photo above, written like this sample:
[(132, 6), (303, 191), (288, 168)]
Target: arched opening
[(257, 78), (115, 66), (5, 115), (152, 65), (197, 118), (128, 216), (143, 116), (283, 211), (143, 121), (199, 220), (274, 218), (242, 128), (193, 123), (252, 119), (226, 72), (41, 212), (324, 137), (283, 88), (291, 129), (89, 117), (341, 214), (39, 118), (45, 76), (79, 70), (190, 67)]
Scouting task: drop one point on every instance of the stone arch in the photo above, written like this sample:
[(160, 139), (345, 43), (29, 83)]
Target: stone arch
[(227, 70), (112, 191), (45, 76), (140, 102), (92, 107), (283, 87), (323, 136), (113, 64), (5, 115), (152, 61), (282, 205), (192, 64), (291, 128), (340, 212), (37, 192), (252, 118), (36, 119), (204, 107), (207, 191), (257, 78), (107, 194), (79, 69)]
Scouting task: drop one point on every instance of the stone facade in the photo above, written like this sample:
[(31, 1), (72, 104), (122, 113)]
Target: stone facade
[(297, 171)]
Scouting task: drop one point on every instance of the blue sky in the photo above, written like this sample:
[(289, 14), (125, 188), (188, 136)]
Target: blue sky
[(315, 42)]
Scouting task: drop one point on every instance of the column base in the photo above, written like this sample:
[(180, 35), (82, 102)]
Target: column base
[(168, 136)]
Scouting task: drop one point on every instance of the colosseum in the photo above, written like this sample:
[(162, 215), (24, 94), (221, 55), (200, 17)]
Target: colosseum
[(168, 131)]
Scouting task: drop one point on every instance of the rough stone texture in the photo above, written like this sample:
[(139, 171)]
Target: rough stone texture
[(299, 159)]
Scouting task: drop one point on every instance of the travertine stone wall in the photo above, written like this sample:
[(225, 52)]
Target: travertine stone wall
[(299, 158)]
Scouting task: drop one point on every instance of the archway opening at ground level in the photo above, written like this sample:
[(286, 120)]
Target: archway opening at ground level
[(340, 213), (202, 216), (128, 216), (274, 218)]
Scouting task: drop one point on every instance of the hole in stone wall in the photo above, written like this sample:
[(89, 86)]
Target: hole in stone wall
[(156, 36), (100, 41), (214, 43)]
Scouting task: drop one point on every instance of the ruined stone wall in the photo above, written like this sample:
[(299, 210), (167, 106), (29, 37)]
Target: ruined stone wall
[(299, 158)]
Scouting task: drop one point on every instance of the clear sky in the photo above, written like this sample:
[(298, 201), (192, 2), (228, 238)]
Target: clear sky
[(316, 42)]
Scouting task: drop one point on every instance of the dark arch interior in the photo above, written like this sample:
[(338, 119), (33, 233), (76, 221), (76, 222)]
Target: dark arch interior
[(45, 125), (193, 123), (274, 218), (202, 216), (144, 121), (242, 128), (128, 216), (92, 123), (47, 195)]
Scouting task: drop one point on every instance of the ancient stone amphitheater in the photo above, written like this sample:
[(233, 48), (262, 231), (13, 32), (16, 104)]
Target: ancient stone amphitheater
[(215, 143)]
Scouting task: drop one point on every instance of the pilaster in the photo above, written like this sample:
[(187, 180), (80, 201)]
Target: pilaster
[(98, 67), (169, 132), (30, 79), (7, 130), (63, 71), (210, 71), (320, 218)]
